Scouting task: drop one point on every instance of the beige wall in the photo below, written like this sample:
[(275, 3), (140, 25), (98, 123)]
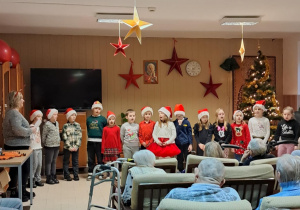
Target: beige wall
[(49, 51)]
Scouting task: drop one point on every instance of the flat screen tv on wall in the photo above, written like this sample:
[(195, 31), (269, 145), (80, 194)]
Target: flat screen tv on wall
[(64, 88)]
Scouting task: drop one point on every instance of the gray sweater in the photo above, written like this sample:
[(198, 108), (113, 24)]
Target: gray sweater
[(50, 135), (16, 129), (129, 134)]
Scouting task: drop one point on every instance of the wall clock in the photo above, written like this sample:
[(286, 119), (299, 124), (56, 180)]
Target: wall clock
[(193, 68)]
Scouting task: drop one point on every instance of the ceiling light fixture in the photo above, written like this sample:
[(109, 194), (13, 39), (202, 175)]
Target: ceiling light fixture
[(112, 17), (240, 20)]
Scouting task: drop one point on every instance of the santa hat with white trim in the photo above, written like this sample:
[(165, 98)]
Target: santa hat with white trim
[(235, 113), (260, 104), (50, 112), (167, 111), (179, 109), (35, 113), (202, 112), (146, 109), (110, 114), (97, 104), (69, 112)]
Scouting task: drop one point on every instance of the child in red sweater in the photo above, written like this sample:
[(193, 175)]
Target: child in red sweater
[(146, 127), (240, 134), (111, 141)]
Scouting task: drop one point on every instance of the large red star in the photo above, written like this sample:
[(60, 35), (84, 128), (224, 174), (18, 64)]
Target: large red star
[(131, 78), (175, 62), (120, 47), (211, 87)]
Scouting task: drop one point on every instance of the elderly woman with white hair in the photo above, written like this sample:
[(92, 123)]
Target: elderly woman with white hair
[(145, 161), (207, 187), (288, 176), (256, 151)]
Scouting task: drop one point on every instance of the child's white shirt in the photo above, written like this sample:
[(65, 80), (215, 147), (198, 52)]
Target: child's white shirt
[(165, 131), (259, 127)]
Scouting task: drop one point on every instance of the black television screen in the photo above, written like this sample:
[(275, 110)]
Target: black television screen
[(64, 88)]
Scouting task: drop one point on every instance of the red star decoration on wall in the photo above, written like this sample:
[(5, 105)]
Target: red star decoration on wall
[(120, 47), (175, 62), (211, 87), (131, 78)]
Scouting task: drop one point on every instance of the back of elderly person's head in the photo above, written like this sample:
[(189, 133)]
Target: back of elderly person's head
[(213, 149), (288, 167), (257, 146), (211, 171), (144, 157)]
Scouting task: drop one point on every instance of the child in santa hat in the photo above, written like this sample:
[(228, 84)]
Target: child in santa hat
[(51, 142), (240, 134), (95, 124), (71, 136), (111, 141), (202, 131), (184, 138), (146, 127), (259, 126), (36, 117), (164, 135)]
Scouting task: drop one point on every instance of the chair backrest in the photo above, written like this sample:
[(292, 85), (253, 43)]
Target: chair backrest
[(167, 164), (194, 160), (291, 202), (254, 172), (148, 190), (173, 204)]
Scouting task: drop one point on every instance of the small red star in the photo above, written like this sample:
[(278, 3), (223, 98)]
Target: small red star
[(131, 78), (211, 87), (120, 47), (175, 62)]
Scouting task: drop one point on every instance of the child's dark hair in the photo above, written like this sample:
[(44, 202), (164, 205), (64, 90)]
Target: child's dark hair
[(129, 111)]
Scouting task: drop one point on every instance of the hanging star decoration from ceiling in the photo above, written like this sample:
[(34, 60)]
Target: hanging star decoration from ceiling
[(120, 47), (211, 87), (175, 62), (242, 50), (136, 25), (130, 77)]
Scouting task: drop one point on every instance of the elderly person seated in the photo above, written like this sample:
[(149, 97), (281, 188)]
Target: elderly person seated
[(256, 150), (213, 149), (288, 176), (145, 161), (207, 188)]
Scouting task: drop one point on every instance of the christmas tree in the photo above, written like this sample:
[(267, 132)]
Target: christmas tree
[(258, 87)]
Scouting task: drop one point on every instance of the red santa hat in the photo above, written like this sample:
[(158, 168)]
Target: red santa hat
[(202, 112), (69, 112), (179, 109), (110, 114), (50, 112), (35, 113), (146, 109), (97, 104), (260, 104), (235, 113), (167, 111)]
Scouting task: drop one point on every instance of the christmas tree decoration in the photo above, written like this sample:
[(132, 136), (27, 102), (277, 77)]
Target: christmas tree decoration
[(257, 87), (211, 87), (242, 48), (175, 62), (120, 46), (130, 77), (136, 25)]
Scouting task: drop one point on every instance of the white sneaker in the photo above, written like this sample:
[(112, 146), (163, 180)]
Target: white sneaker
[(89, 177)]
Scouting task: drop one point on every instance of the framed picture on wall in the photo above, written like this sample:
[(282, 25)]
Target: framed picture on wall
[(150, 68)]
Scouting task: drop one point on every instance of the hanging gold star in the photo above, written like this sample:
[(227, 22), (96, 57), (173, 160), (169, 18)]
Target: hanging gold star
[(136, 25), (242, 50)]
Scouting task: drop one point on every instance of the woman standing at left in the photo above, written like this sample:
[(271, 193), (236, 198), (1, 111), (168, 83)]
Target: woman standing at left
[(16, 133)]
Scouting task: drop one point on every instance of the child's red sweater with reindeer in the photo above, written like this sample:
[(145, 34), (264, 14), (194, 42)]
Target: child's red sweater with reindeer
[(240, 136)]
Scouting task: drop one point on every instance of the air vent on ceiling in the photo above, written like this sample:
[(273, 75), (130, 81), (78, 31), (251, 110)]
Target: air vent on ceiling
[(113, 17), (240, 20)]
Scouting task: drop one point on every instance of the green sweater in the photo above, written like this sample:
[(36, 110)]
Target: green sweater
[(95, 126)]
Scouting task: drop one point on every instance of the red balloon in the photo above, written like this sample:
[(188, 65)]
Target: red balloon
[(15, 58), (5, 52)]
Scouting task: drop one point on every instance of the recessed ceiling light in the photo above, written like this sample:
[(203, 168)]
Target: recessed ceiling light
[(112, 17), (240, 20)]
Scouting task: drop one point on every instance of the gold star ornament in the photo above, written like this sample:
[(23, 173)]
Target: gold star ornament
[(242, 50), (136, 25)]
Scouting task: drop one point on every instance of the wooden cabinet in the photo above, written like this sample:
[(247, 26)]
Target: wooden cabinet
[(82, 156)]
